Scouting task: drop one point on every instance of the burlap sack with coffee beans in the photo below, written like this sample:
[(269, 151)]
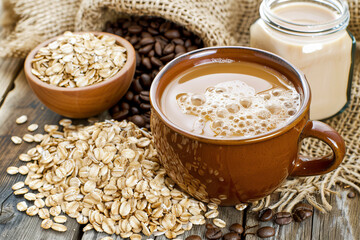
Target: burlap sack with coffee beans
[(218, 22)]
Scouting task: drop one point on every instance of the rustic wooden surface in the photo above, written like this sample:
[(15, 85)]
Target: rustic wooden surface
[(16, 98)]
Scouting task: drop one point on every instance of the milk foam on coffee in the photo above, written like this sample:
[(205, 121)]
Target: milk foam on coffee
[(231, 106)]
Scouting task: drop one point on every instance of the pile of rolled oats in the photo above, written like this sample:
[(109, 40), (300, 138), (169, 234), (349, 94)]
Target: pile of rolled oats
[(107, 176), (78, 60)]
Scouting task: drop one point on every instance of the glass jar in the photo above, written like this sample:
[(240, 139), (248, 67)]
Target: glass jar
[(311, 35)]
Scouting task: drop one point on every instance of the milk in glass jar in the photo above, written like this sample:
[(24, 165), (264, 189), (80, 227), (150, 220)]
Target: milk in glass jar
[(311, 35)]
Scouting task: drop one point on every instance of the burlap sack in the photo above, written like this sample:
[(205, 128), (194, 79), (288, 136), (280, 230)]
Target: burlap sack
[(218, 22)]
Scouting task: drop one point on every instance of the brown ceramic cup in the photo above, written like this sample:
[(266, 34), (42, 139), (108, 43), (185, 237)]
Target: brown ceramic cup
[(240, 169)]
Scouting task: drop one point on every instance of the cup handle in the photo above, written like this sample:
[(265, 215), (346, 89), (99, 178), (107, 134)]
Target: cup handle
[(309, 166)]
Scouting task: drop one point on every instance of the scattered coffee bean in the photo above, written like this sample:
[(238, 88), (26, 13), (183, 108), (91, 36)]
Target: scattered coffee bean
[(351, 194), (213, 233), (237, 228), (156, 42), (265, 232), (302, 211), (283, 218), (231, 236), (265, 215), (193, 237)]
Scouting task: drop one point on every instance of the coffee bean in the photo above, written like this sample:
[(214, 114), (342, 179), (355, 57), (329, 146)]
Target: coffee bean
[(115, 109), (178, 41), (146, 62), (154, 25), (302, 211), (136, 99), (134, 40), (134, 111), (151, 53), (208, 226), (156, 62), (153, 31), (145, 106), (191, 48), (165, 27), (231, 236), (145, 81), (213, 233), (145, 96), (168, 57), (265, 215), (187, 43), (173, 33), (237, 228), (162, 40), (129, 96), (136, 86), (154, 73), (138, 59), (158, 48), (283, 218), (135, 29), (147, 41), (351, 194), (169, 48), (193, 237), (265, 232), (125, 106), (303, 206), (180, 49), (121, 115), (146, 49), (145, 35), (138, 120)]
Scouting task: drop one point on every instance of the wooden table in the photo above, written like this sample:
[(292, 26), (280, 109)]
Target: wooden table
[(16, 98)]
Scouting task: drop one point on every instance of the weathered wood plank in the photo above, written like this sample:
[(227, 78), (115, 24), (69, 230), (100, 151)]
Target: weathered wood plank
[(9, 69), (342, 222), (18, 225)]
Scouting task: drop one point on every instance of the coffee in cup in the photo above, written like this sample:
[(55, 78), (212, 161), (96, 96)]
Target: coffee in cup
[(230, 99)]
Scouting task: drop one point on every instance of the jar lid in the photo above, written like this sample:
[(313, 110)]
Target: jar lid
[(338, 7)]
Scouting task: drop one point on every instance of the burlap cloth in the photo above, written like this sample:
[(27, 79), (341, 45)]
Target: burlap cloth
[(218, 22)]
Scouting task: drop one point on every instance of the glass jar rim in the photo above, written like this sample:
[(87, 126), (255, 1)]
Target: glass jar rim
[(293, 28)]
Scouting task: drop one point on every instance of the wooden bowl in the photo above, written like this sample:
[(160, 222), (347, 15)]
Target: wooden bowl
[(82, 102)]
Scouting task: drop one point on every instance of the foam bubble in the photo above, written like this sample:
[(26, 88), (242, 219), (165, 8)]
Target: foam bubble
[(233, 108)]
